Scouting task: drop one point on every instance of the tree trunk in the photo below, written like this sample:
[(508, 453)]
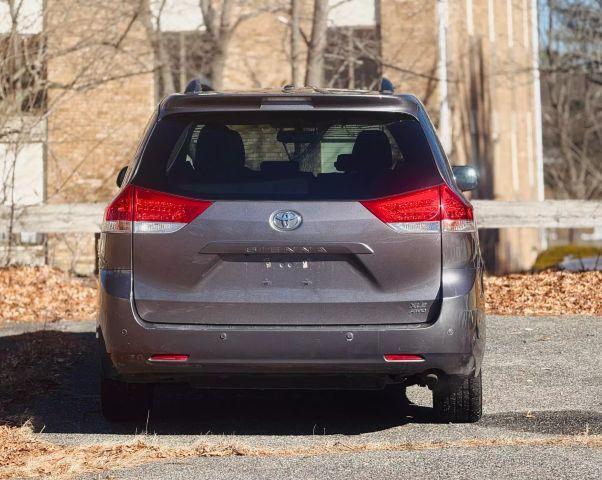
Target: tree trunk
[(295, 37), (160, 54), (315, 56), (218, 64)]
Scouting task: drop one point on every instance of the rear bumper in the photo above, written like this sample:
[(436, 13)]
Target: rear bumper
[(453, 344)]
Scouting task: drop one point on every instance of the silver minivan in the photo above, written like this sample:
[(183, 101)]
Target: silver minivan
[(291, 239)]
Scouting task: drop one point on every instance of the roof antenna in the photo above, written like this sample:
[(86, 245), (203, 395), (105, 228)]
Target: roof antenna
[(386, 86), (199, 84)]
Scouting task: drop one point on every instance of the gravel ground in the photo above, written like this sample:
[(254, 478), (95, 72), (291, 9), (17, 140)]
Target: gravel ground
[(509, 463), (542, 378)]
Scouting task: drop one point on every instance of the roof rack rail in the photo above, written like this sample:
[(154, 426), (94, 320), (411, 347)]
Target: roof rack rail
[(386, 86), (199, 84)]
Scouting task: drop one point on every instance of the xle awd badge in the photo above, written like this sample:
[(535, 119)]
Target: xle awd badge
[(285, 220), (418, 307)]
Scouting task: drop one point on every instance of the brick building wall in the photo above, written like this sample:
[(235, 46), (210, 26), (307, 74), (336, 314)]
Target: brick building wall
[(493, 105), (93, 128), (490, 96), (490, 90)]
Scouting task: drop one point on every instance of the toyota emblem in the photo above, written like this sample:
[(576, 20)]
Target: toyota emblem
[(285, 220)]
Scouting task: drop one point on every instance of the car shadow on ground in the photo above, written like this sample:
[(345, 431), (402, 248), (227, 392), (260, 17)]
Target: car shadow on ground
[(65, 400), (68, 401)]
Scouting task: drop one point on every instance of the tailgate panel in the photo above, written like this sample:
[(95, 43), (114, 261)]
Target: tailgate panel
[(342, 266)]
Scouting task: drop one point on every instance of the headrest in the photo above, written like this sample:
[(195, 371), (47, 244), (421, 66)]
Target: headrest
[(372, 151), (219, 151), (344, 162)]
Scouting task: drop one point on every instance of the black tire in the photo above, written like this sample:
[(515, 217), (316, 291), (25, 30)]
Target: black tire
[(459, 400), (122, 401)]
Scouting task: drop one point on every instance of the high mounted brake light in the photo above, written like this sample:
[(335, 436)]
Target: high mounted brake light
[(430, 210), (150, 211)]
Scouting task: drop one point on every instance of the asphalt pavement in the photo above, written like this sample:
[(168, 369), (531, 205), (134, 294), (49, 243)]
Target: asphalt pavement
[(541, 380)]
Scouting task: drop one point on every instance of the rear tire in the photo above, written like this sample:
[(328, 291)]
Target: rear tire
[(459, 400), (122, 401)]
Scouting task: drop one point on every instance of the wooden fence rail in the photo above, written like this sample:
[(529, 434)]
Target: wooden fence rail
[(86, 217)]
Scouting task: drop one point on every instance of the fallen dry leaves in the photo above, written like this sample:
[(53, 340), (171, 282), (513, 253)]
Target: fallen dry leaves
[(23, 454), (44, 294), (546, 293)]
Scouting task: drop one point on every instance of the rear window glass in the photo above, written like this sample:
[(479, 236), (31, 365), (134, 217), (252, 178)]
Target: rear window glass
[(288, 156)]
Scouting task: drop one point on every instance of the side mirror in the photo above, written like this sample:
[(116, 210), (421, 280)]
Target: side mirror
[(121, 176), (467, 177)]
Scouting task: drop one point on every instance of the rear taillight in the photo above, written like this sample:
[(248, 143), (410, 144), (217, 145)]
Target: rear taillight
[(456, 215), (158, 212), (118, 215), (149, 211), (412, 212), (430, 210)]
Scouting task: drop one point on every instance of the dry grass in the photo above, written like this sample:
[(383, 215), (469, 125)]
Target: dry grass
[(546, 293), (22, 454), (42, 294)]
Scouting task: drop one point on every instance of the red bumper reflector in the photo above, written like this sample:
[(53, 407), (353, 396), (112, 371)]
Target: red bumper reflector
[(403, 357), (168, 357)]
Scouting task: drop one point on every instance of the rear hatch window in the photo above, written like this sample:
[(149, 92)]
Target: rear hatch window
[(287, 156)]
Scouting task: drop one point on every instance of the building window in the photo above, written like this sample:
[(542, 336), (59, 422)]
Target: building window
[(351, 57), (21, 183), (189, 56), (22, 72)]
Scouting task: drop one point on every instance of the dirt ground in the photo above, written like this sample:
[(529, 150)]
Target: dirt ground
[(43, 294)]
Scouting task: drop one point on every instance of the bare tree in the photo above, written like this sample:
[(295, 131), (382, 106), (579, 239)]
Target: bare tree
[(22, 98), (342, 56), (221, 18), (571, 63), (28, 96), (352, 58), (152, 25), (220, 23), (203, 50), (314, 74), (295, 41)]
